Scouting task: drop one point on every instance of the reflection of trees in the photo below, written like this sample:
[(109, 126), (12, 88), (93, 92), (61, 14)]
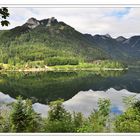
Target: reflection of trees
[(112, 73), (46, 87)]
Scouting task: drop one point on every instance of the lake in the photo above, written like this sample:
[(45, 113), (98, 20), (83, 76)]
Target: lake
[(80, 90)]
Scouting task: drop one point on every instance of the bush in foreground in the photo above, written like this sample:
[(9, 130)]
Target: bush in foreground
[(129, 121)]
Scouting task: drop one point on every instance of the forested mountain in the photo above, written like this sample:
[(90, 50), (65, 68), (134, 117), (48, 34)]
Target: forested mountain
[(119, 48), (37, 40)]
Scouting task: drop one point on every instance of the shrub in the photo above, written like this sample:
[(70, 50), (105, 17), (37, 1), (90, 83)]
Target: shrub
[(52, 61), (129, 121)]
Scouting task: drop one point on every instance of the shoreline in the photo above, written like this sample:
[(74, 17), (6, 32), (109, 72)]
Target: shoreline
[(57, 70)]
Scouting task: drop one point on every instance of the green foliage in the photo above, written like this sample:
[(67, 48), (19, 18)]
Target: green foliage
[(97, 120), (51, 46), (130, 101), (129, 121), (57, 111), (43, 43), (104, 107), (137, 105), (34, 121), (18, 116), (4, 14), (35, 64), (61, 61), (5, 123), (92, 67), (23, 117), (78, 121), (59, 120), (1, 67), (111, 64)]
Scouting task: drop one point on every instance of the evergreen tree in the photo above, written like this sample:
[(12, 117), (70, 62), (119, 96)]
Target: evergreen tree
[(24, 118), (33, 120), (59, 120), (18, 116)]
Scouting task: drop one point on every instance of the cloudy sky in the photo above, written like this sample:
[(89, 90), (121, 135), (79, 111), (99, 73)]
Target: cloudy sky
[(114, 21)]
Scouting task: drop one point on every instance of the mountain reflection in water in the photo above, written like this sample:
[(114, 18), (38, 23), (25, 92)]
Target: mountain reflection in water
[(85, 101), (49, 86)]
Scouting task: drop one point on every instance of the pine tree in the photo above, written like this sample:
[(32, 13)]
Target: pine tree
[(18, 116), (59, 120), (24, 118), (33, 121)]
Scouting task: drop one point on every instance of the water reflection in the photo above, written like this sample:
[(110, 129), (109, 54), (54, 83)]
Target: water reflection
[(85, 101), (50, 86)]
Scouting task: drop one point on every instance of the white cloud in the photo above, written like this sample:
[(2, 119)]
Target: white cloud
[(85, 20)]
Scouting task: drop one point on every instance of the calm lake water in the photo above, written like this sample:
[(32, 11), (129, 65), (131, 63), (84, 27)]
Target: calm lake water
[(80, 90)]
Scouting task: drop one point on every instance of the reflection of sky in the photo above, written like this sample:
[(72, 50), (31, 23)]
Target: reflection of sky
[(5, 98), (116, 110), (85, 101)]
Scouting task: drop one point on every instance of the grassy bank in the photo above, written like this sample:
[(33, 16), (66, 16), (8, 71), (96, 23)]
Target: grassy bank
[(34, 66), (86, 66)]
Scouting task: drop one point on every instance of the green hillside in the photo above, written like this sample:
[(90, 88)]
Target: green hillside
[(45, 39)]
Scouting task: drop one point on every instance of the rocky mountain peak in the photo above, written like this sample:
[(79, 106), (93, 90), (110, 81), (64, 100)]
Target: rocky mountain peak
[(107, 35), (49, 21), (32, 23), (120, 39), (52, 20)]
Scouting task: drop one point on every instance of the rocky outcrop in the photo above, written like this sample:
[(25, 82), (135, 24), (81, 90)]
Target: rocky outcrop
[(121, 39), (32, 23), (48, 22)]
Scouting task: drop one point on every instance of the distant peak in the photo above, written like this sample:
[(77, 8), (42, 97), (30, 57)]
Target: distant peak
[(32, 23), (107, 35), (51, 20), (31, 19), (121, 39)]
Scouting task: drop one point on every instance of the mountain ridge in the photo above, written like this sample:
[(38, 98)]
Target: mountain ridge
[(120, 48), (37, 40), (53, 33)]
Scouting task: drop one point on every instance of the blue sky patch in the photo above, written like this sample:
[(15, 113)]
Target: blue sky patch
[(120, 13)]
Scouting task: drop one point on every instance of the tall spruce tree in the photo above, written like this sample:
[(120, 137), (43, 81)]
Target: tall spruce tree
[(24, 118), (18, 116)]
